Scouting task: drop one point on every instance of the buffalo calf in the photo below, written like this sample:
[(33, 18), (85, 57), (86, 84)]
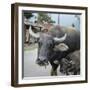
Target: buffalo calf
[(70, 65)]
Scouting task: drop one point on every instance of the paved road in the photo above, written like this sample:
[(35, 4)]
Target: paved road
[(31, 69)]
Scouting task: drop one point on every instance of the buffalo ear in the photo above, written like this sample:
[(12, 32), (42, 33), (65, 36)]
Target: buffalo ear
[(61, 47)]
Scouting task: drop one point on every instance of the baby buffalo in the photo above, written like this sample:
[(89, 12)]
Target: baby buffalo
[(70, 65)]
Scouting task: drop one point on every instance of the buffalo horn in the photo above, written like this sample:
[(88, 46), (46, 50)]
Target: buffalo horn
[(60, 39), (32, 33)]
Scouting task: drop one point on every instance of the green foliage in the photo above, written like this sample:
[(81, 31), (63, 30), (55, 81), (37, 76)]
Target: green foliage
[(28, 15), (44, 17)]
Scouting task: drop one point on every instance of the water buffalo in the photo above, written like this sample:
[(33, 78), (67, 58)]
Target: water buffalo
[(56, 44), (70, 65)]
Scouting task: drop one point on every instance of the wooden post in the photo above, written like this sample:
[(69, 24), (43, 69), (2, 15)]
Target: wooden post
[(58, 19)]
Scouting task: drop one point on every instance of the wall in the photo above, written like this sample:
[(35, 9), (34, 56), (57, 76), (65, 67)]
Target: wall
[(5, 45)]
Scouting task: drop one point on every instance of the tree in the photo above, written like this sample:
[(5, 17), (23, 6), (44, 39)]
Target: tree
[(44, 17), (28, 15)]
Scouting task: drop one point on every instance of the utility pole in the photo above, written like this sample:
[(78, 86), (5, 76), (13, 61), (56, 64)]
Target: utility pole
[(58, 19)]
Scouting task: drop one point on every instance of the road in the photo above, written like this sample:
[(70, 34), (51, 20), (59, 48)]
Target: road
[(31, 69)]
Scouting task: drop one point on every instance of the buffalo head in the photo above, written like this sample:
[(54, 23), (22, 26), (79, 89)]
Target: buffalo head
[(46, 45)]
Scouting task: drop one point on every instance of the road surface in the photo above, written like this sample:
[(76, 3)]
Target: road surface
[(31, 69)]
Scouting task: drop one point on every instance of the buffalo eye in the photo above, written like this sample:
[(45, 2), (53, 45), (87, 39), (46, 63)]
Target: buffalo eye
[(50, 45)]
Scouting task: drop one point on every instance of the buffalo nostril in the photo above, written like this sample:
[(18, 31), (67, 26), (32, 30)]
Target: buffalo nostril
[(42, 61), (37, 60)]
